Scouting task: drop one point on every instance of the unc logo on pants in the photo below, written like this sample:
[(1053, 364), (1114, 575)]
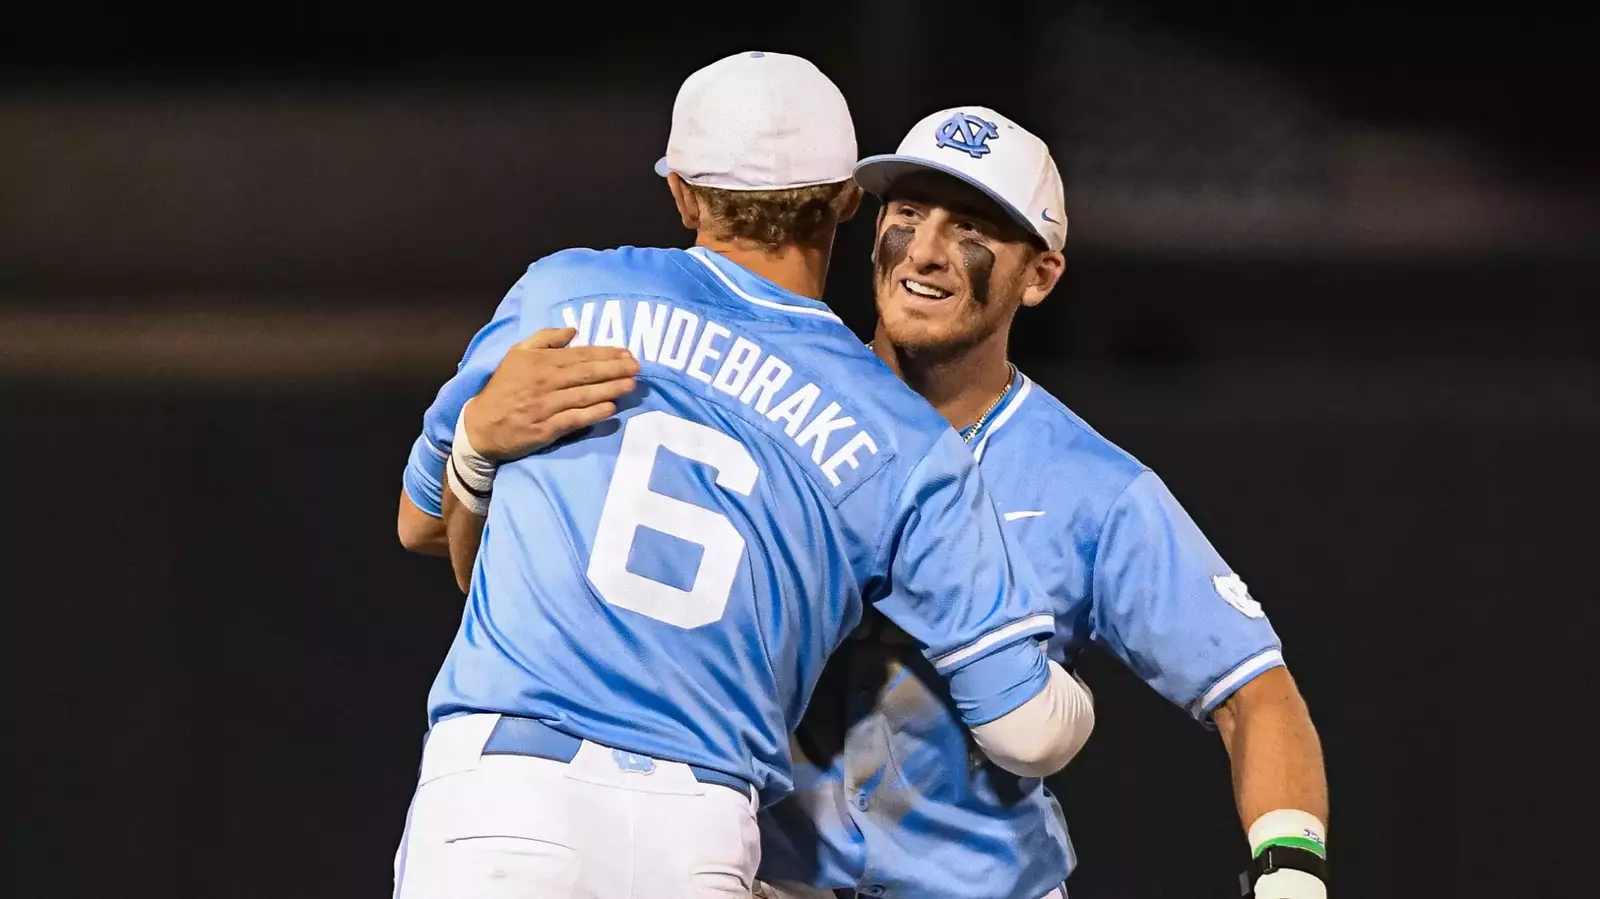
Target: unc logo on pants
[(492, 820)]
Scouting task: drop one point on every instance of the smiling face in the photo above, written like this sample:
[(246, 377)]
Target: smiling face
[(951, 266)]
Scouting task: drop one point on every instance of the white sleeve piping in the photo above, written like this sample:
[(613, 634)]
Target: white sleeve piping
[(1242, 672), (1043, 621)]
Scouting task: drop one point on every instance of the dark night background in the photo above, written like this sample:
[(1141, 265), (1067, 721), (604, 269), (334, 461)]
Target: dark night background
[(1330, 273)]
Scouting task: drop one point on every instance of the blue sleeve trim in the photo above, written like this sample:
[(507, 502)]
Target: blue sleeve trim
[(997, 684), (423, 481)]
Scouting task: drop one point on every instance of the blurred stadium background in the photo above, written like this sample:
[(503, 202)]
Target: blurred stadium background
[(1331, 272)]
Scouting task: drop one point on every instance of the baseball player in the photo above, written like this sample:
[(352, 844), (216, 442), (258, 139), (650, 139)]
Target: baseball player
[(889, 801), (654, 596)]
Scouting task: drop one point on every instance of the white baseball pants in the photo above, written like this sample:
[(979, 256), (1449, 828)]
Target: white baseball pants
[(597, 827)]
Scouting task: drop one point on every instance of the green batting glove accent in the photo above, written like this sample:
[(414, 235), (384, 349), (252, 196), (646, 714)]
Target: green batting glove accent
[(1312, 846)]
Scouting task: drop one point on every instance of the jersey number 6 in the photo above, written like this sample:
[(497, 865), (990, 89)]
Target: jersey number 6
[(631, 504)]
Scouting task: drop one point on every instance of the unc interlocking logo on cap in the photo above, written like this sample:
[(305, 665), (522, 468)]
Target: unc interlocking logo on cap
[(967, 133), (992, 153)]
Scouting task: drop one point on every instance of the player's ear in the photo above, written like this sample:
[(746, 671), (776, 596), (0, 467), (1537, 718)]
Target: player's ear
[(849, 202), (1040, 275), (688, 204)]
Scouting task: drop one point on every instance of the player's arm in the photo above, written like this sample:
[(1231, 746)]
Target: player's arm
[(981, 618), (1042, 735), (1168, 605), (541, 391), (420, 524), (463, 535), (419, 531), (548, 391), (1276, 756)]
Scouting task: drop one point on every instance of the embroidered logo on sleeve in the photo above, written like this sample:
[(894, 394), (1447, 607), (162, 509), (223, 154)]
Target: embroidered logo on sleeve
[(1231, 588)]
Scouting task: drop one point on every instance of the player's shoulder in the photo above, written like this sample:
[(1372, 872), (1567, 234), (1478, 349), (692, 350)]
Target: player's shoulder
[(1055, 445), (901, 424), (874, 385), (578, 272)]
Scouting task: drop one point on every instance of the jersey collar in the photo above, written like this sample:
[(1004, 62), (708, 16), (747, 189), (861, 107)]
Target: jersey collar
[(756, 290), (1020, 388)]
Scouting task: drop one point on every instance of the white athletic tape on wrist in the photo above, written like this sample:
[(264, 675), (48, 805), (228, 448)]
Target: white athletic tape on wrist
[(477, 505), (1289, 827), (470, 474)]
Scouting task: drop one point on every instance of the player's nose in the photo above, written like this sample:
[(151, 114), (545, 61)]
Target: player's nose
[(927, 250)]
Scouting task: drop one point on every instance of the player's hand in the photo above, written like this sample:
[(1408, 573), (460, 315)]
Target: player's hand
[(544, 390)]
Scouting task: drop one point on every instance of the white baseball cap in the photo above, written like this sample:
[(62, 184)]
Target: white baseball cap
[(760, 121), (989, 152)]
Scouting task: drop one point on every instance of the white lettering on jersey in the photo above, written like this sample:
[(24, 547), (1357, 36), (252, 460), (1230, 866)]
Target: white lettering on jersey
[(681, 325), (770, 377), (735, 372), (704, 352), (582, 325), (610, 331), (649, 321), (677, 338)]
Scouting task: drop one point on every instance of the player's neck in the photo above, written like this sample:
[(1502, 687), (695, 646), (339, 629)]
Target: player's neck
[(801, 270), (962, 384)]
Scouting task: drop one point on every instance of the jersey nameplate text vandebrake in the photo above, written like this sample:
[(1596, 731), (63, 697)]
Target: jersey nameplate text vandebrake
[(659, 333)]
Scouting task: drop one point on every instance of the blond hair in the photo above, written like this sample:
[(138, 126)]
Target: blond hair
[(772, 218)]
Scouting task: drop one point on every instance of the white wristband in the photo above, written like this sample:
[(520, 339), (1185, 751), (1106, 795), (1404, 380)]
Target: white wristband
[(1294, 829), (471, 475), (1287, 883), (1289, 827)]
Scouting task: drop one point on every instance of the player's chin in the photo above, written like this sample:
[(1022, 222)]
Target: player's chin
[(921, 333)]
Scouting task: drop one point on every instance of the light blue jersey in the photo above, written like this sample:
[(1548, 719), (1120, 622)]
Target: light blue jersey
[(889, 797), (670, 581)]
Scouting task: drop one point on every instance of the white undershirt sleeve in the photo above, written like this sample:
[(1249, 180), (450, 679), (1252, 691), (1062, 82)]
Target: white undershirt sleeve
[(1042, 735)]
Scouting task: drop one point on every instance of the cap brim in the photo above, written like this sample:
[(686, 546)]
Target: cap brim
[(876, 174), (661, 167)]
